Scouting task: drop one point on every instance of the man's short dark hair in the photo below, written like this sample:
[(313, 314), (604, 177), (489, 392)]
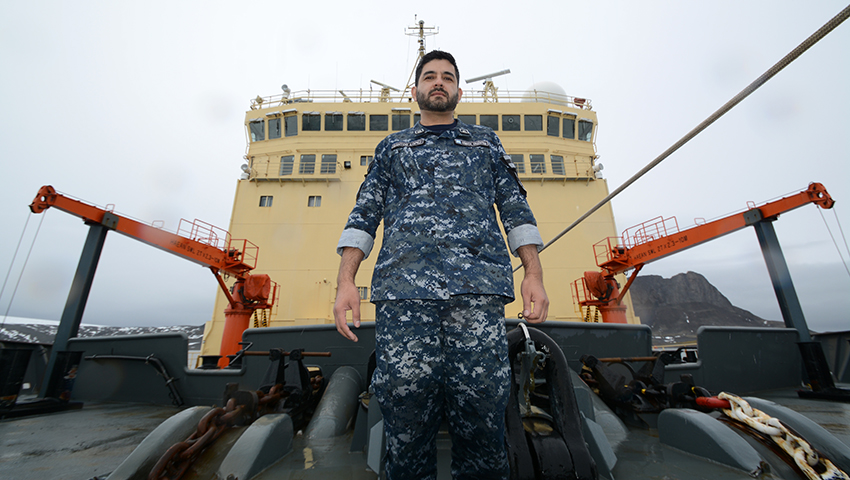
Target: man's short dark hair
[(436, 55)]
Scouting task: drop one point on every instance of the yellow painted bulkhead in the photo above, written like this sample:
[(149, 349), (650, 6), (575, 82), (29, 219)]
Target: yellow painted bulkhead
[(295, 215)]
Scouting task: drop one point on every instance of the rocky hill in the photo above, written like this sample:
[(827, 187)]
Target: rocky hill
[(676, 307)]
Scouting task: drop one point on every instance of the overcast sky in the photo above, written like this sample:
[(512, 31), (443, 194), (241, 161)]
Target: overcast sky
[(141, 105)]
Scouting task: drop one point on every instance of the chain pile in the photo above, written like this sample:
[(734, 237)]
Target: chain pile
[(179, 457), (806, 458)]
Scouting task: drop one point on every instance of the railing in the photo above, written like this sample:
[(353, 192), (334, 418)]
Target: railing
[(650, 230), (366, 96)]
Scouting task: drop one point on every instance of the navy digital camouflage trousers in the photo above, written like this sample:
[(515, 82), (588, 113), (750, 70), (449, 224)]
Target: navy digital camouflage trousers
[(443, 359)]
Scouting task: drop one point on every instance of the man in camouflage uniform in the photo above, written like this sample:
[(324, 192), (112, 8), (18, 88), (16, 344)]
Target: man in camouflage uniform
[(442, 279)]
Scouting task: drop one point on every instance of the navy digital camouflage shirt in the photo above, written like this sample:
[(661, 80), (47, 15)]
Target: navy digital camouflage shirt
[(435, 193)]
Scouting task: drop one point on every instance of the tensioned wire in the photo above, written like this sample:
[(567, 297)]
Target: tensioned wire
[(14, 256), (784, 62)]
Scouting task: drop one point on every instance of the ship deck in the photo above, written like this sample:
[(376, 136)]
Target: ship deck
[(91, 442)]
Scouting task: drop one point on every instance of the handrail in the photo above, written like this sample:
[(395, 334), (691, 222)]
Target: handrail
[(367, 96)]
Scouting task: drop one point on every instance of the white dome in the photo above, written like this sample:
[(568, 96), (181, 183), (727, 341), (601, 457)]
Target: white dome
[(549, 92)]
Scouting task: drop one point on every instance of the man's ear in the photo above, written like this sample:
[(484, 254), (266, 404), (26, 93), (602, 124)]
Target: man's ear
[(413, 92)]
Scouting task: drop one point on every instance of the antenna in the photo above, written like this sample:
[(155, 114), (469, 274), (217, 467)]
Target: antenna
[(385, 90), (489, 92), (489, 76)]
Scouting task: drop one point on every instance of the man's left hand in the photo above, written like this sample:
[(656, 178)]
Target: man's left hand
[(535, 302)]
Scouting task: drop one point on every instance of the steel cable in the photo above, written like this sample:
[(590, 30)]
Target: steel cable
[(755, 85)]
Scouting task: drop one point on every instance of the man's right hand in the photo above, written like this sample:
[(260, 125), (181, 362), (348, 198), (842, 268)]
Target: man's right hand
[(347, 294), (347, 298)]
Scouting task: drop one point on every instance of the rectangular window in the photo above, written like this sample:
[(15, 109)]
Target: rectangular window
[(311, 122), (585, 130), (538, 163), (416, 117), (258, 130), (364, 293), (519, 161), (534, 123), (356, 122), (510, 123), (328, 163), (286, 163), (467, 119), (401, 121), (491, 121), (307, 165), (365, 160), (570, 127), (378, 123), (290, 125), (266, 201), (274, 128), (558, 165), (553, 126), (333, 122), (314, 201)]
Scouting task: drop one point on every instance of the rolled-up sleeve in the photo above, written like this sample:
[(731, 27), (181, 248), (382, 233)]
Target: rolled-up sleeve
[(521, 235), (352, 237)]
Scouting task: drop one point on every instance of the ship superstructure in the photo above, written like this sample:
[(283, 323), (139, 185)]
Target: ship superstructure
[(308, 153)]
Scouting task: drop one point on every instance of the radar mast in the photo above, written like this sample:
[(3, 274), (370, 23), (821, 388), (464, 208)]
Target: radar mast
[(421, 31)]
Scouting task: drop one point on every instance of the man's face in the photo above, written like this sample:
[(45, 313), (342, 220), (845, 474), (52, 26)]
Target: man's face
[(438, 89)]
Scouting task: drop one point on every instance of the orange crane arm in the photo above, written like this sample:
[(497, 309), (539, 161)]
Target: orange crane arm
[(207, 248), (660, 238), (647, 246)]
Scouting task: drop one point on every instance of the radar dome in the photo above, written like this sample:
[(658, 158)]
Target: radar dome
[(549, 92)]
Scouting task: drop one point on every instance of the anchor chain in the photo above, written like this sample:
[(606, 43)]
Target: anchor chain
[(177, 460), (813, 465)]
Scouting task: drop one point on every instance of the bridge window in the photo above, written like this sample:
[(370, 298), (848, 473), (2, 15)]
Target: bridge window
[(491, 121), (311, 122), (286, 164), (570, 127), (401, 121), (258, 130), (314, 201), (553, 126), (467, 119), (538, 163), (266, 200), (534, 123), (585, 130), (416, 117), (274, 128), (510, 123), (290, 125), (307, 165), (378, 123), (333, 122), (356, 121), (519, 161), (365, 160), (364, 293), (328, 164), (558, 165)]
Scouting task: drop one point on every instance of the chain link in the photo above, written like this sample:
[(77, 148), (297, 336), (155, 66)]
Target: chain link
[(814, 466), (175, 462)]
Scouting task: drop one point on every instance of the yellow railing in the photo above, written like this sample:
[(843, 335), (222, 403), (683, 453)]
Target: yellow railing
[(367, 96)]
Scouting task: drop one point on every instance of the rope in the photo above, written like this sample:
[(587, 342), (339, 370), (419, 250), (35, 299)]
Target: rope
[(23, 268), (834, 241), (784, 62)]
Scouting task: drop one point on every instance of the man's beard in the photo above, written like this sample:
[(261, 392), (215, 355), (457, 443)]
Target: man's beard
[(446, 105)]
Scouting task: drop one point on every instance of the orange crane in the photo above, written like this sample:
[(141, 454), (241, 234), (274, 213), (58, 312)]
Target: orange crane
[(196, 241), (659, 238)]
